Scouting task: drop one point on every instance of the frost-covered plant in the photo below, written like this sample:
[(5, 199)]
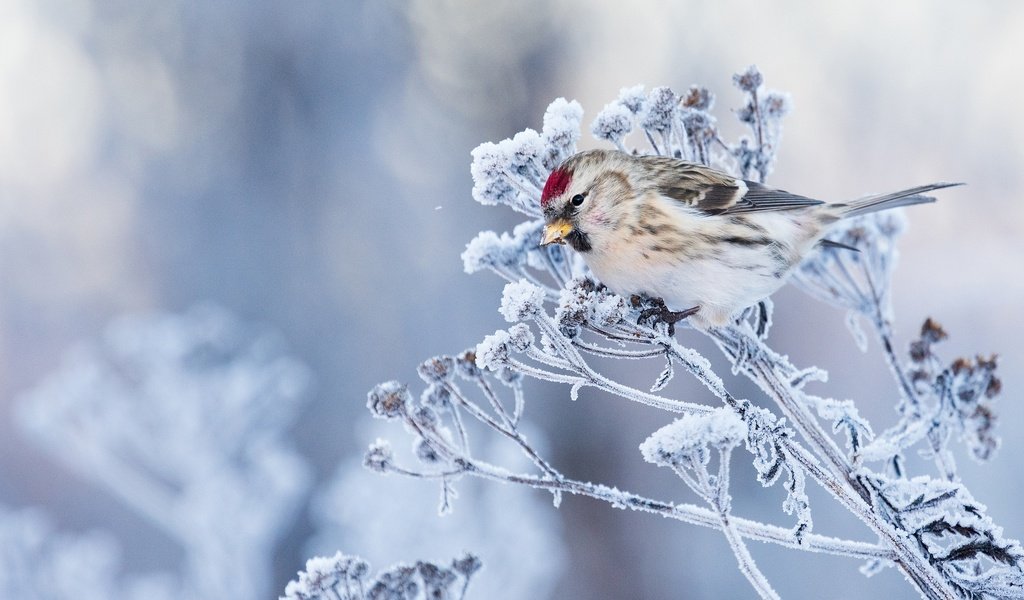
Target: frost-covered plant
[(930, 528), (342, 577), (389, 518), (38, 562), (183, 417)]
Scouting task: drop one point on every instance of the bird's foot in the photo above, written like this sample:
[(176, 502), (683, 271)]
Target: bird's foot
[(656, 312)]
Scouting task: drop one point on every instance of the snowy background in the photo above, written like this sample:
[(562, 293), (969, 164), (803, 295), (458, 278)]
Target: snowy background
[(305, 166)]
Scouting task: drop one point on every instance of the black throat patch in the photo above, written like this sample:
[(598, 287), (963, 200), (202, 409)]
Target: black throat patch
[(579, 241)]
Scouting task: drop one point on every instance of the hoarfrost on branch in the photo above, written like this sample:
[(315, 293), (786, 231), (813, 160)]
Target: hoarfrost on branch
[(927, 526)]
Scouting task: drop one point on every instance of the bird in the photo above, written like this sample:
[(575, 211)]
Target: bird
[(705, 245)]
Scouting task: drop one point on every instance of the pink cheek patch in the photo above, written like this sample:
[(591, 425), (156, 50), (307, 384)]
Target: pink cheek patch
[(557, 182)]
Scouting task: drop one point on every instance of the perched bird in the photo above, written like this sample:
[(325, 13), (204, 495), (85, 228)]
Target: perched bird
[(705, 242)]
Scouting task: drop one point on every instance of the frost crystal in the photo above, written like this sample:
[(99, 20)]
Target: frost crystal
[(699, 98), (691, 433), (749, 80), (521, 301), (379, 456), (561, 130), (613, 123), (345, 577), (388, 400), (634, 99), (492, 353), (660, 110)]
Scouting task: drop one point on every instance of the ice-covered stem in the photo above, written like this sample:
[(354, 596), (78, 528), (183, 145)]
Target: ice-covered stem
[(766, 369), (930, 409), (684, 447), (763, 112), (183, 418), (523, 301), (761, 364), (684, 512)]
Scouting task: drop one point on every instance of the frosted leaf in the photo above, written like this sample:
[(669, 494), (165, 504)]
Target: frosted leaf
[(663, 378), (722, 428), (844, 416), (661, 109), (613, 123), (634, 99), (521, 300), (797, 503), (574, 393)]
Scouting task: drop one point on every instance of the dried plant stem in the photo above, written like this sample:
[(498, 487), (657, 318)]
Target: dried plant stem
[(839, 478), (687, 513)]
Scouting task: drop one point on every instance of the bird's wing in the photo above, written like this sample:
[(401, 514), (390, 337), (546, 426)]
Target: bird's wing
[(716, 193)]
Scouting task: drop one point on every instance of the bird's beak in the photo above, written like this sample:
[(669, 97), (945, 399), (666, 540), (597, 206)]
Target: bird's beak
[(555, 232)]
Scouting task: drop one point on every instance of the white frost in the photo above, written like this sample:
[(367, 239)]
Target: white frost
[(691, 433), (521, 300)]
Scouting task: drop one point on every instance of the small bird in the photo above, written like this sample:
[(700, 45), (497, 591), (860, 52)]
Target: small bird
[(705, 243)]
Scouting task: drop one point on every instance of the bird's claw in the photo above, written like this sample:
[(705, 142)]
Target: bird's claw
[(659, 313)]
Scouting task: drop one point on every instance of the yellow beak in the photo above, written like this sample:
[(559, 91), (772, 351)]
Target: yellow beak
[(555, 232)]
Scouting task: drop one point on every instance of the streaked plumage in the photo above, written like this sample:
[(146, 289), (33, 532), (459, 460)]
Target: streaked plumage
[(689, 234)]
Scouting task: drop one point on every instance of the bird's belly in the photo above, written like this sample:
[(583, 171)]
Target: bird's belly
[(720, 288)]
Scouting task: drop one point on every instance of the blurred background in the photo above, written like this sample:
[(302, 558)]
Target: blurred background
[(305, 166)]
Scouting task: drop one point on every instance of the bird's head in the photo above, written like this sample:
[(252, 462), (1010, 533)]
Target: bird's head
[(582, 198)]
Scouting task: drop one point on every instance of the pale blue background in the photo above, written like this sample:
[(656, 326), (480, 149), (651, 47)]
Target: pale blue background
[(286, 160)]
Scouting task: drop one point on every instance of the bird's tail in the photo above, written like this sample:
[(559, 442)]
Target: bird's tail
[(908, 197)]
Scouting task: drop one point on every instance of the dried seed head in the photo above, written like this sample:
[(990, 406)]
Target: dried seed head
[(932, 332), (388, 400)]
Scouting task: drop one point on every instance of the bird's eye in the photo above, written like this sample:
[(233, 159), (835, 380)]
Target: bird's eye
[(578, 199)]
